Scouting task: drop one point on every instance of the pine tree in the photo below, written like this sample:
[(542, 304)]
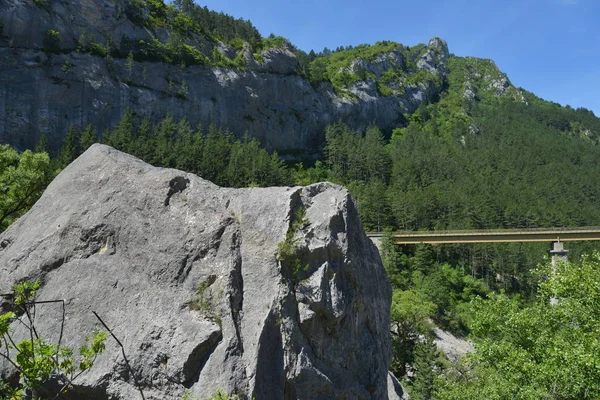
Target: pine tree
[(88, 138), (143, 146), (123, 135), (69, 149), (425, 356), (184, 146), (42, 144), (162, 137), (215, 155)]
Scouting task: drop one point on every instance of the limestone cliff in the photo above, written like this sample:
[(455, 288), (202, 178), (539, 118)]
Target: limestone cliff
[(51, 79), (193, 280)]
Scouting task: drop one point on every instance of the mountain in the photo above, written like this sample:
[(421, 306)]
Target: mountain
[(83, 62), (87, 61)]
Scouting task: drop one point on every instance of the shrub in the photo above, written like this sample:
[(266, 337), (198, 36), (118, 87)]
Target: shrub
[(36, 360), (287, 250), (237, 43), (384, 90), (52, 40), (67, 66), (204, 302), (184, 25), (220, 60), (278, 42)]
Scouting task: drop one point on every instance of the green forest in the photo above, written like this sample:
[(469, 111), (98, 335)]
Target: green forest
[(518, 171), (485, 161)]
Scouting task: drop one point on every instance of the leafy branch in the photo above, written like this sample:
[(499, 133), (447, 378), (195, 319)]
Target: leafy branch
[(36, 360)]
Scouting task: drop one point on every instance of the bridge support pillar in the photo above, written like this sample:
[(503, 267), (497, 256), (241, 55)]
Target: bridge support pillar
[(558, 252)]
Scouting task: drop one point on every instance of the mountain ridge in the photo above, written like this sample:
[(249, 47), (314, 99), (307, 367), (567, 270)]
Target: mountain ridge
[(87, 61)]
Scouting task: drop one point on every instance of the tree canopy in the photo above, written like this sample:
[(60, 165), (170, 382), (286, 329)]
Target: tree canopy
[(546, 349), (23, 178)]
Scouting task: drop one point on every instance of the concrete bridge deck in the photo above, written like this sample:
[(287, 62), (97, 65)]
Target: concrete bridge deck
[(493, 236)]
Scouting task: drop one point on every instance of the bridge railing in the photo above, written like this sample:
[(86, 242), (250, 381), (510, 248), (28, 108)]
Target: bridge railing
[(495, 235)]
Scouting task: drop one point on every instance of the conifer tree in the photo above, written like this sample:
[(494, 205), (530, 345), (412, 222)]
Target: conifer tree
[(88, 138), (143, 146), (162, 137), (42, 144), (215, 155), (124, 133), (184, 146), (425, 355), (69, 149)]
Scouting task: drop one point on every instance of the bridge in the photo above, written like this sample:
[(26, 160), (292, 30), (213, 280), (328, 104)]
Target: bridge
[(493, 236), (555, 236)]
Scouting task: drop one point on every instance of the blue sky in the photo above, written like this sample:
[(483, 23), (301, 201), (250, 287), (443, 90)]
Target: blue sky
[(549, 47)]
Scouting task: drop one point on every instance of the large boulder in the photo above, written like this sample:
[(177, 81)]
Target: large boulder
[(271, 293)]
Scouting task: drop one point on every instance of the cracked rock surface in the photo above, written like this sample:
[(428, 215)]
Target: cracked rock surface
[(188, 277)]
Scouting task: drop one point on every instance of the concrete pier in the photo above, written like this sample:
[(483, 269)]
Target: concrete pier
[(558, 252)]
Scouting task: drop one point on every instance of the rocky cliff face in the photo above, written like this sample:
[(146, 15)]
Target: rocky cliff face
[(192, 280), (46, 85)]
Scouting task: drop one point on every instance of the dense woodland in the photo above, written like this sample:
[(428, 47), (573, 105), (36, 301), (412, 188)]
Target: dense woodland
[(459, 162), (518, 171)]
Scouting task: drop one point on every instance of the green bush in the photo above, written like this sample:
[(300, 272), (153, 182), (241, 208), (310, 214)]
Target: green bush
[(204, 302), (220, 60), (35, 359), (23, 178), (287, 250), (240, 62), (173, 52), (547, 348), (67, 66), (52, 40), (184, 24), (237, 43), (278, 42), (384, 90)]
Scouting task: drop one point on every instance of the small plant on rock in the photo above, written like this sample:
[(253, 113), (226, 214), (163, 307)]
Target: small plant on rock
[(203, 301), (67, 66), (287, 250), (52, 40)]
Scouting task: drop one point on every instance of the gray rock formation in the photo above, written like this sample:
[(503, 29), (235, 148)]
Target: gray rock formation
[(382, 63), (43, 92), (452, 346), (434, 58), (188, 276)]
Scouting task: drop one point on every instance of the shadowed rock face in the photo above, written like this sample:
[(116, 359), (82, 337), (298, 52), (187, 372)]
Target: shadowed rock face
[(47, 92), (187, 275)]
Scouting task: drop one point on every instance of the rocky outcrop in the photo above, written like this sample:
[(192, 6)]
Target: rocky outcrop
[(452, 346), (434, 58), (47, 87), (193, 280), (381, 63)]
